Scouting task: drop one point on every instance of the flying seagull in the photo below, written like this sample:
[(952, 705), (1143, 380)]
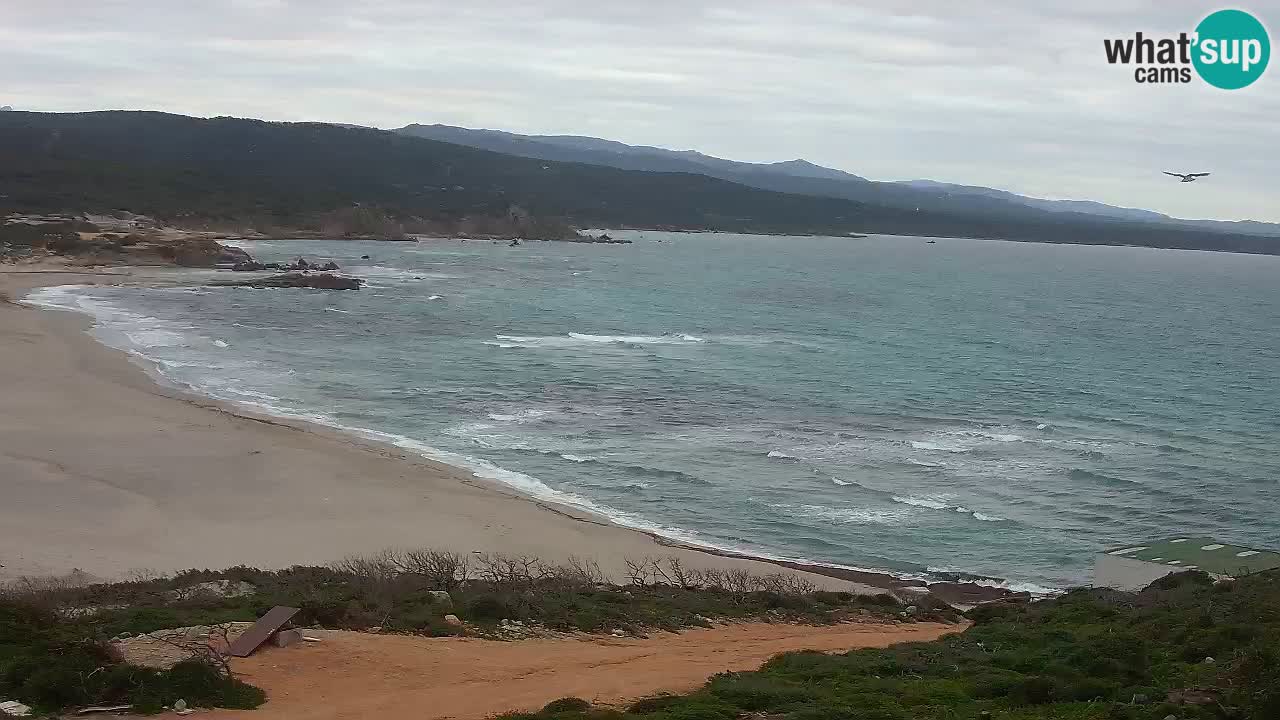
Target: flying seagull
[(1187, 177)]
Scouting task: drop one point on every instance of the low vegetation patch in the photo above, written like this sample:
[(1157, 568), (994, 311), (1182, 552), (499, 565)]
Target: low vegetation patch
[(53, 662), (1186, 648), (413, 591), (54, 633)]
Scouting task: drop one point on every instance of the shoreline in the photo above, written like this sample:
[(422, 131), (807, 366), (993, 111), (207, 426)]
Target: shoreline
[(509, 521)]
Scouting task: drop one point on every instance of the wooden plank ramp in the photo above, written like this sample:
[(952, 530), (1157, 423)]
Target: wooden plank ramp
[(266, 626)]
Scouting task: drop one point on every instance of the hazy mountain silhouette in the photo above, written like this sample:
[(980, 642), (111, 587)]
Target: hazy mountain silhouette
[(282, 174), (802, 176)]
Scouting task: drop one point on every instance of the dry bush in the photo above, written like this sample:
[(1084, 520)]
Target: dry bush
[(786, 583), (443, 570), (45, 591), (577, 572), (673, 572), (513, 570), (379, 566)]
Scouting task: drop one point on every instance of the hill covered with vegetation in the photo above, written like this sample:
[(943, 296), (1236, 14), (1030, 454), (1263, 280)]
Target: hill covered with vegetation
[(1184, 648), (296, 174), (55, 635)]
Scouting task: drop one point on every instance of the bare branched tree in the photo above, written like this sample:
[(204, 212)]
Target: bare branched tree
[(442, 570)]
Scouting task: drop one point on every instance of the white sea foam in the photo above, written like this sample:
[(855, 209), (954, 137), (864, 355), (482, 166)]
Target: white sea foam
[(1004, 437), (940, 502), (638, 339), (252, 394), (779, 455), (521, 416), (150, 338), (434, 297), (577, 458), (938, 447), (585, 340), (925, 463), (926, 502), (846, 516), (987, 435), (1013, 586), (334, 309), (392, 274), (172, 355), (840, 482)]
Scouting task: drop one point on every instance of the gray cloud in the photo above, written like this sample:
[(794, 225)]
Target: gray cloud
[(1006, 93)]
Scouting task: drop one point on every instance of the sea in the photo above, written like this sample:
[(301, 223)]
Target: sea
[(934, 409)]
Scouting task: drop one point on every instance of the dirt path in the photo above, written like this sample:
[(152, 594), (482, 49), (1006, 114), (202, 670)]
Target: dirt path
[(389, 677)]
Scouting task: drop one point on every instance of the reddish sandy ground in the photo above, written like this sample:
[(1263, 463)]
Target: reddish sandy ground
[(389, 677)]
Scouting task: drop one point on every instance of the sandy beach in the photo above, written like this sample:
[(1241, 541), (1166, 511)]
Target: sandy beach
[(103, 470)]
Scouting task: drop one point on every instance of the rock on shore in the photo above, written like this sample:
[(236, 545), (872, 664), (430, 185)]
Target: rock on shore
[(319, 281)]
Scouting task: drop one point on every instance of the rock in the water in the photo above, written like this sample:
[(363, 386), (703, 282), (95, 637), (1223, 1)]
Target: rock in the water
[(320, 281)]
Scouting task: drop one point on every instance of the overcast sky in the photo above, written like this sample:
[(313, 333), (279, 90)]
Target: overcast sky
[(1013, 94)]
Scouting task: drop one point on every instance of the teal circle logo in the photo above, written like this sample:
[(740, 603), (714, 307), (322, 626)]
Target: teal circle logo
[(1232, 49)]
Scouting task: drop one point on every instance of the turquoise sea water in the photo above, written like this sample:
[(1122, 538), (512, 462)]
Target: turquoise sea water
[(994, 408)]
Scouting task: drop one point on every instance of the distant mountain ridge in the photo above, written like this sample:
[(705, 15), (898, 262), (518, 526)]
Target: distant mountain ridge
[(296, 175), (1092, 207), (806, 178), (611, 153)]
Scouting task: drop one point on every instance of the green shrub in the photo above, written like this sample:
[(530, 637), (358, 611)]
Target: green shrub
[(567, 704), (489, 607), (657, 703), (756, 692), (1034, 690), (51, 663)]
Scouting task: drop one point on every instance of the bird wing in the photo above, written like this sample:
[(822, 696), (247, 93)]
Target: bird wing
[(1166, 172), (1199, 174)]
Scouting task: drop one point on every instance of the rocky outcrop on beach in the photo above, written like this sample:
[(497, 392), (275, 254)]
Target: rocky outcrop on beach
[(107, 240), (299, 265), (318, 281), (603, 238), (200, 252)]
